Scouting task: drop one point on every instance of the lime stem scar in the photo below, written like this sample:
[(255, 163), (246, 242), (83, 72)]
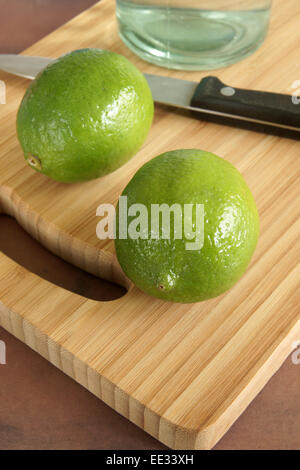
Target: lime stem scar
[(34, 162)]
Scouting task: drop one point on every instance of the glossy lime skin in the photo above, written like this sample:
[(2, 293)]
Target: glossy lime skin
[(84, 116), (164, 268)]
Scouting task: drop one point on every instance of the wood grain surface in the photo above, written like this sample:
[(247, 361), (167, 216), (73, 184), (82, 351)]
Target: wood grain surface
[(182, 373)]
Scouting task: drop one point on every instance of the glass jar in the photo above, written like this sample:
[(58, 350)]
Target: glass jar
[(193, 34)]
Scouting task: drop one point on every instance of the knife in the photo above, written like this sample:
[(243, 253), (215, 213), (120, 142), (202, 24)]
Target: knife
[(210, 99)]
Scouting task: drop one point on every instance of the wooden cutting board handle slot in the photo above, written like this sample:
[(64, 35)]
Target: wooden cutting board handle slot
[(31, 255), (89, 258)]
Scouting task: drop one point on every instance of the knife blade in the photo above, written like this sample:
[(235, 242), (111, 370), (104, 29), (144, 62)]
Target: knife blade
[(211, 99)]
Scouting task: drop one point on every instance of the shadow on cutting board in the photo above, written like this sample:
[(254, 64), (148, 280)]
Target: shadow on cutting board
[(24, 250)]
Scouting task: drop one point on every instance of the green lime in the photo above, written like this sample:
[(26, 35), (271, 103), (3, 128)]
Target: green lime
[(84, 116), (218, 212)]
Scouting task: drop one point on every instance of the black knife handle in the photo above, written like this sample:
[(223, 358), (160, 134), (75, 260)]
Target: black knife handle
[(273, 108)]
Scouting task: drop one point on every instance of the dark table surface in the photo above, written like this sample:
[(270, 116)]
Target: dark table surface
[(40, 407)]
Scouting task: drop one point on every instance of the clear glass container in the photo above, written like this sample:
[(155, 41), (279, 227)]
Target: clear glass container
[(193, 34)]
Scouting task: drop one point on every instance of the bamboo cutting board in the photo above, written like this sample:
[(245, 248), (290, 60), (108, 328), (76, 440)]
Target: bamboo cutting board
[(184, 373)]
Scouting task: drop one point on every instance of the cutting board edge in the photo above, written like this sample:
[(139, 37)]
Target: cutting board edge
[(166, 431), (265, 371)]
